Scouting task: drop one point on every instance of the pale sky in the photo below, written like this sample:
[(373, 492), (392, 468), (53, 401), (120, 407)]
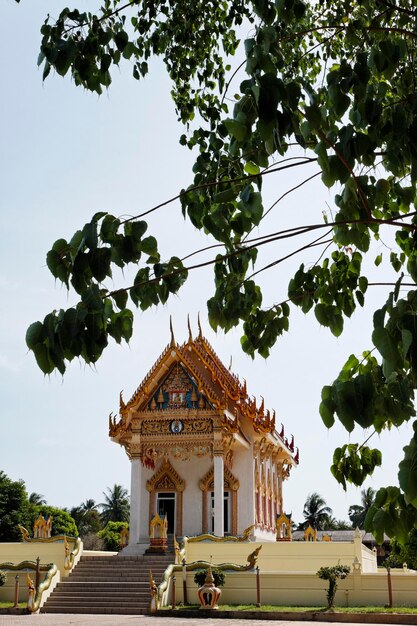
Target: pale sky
[(66, 154)]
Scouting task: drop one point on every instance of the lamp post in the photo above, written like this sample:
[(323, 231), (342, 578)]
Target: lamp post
[(184, 581), (16, 592)]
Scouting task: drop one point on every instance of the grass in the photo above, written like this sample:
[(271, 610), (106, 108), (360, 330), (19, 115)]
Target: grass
[(8, 605), (305, 609)]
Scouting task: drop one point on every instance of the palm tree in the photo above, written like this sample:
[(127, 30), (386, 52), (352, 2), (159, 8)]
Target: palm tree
[(89, 505), (337, 524), (116, 505), (36, 498), (316, 512), (76, 513), (358, 512)]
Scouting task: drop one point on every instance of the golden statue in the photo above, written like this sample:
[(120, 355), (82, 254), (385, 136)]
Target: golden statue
[(154, 606), (31, 593), (177, 551), (253, 557)]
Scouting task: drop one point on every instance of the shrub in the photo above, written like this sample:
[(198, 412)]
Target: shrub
[(3, 577), (111, 535), (218, 575), (332, 574)]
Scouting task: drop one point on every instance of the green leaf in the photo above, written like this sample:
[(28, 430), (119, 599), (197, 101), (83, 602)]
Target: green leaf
[(42, 358), (100, 260), (109, 227), (149, 246), (407, 340), (92, 298), (386, 346), (327, 407), (34, 335), (238, 130), (251, 168), (227, 195), (120, 297), (121, 40)]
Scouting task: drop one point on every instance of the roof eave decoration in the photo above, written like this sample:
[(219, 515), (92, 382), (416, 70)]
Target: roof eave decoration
[(118, 430), (143, 387), (122, 405), (231, 424), (173, 343)]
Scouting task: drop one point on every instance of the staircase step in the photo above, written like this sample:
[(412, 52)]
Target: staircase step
[(108, 585), (96, 611)]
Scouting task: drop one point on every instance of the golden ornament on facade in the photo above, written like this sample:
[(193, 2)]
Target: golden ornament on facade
[(168, 475)]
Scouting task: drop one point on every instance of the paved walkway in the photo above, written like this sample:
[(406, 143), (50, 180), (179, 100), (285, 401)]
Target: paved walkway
[(134, 620)]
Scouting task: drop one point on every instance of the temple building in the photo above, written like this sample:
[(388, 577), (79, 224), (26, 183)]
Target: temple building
[(203, 452)]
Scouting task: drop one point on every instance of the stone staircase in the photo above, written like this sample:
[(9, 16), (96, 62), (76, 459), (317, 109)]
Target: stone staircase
[(108, 584)]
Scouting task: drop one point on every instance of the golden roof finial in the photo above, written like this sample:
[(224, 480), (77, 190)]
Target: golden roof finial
[(200, 332), (190, 334), (230, 364), (173, 342)]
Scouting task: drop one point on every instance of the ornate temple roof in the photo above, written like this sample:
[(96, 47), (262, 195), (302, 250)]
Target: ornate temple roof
[(222, 390)]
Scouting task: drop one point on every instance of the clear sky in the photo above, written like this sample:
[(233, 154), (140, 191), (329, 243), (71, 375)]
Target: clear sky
[(66, 154)]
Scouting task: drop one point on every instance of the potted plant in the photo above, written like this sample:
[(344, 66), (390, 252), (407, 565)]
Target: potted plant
[(218, 575)]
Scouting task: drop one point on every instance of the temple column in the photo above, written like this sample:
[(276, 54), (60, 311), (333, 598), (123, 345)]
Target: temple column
[(279, 489), (218, 495), (135, 491)]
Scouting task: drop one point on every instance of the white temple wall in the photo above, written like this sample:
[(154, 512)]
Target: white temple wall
[(243, 470), (192, 472)]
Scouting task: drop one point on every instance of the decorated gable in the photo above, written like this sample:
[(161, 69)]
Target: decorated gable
[(178, 391)]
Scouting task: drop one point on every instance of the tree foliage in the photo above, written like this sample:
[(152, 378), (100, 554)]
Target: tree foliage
[(110, 534), (316, 512), (358, 512), (404, 553), (87, 518), (218, 575), (337, 524), (115, 507), (332, 81), (14, 508), (36, 498)]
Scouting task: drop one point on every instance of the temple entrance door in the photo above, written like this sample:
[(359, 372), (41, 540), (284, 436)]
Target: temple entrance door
[(166, 506), (227, 513)]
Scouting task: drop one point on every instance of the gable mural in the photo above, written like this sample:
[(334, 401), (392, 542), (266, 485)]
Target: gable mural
[(177, 392)]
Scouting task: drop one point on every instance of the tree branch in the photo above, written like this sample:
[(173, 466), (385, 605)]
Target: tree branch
[(221, 182)]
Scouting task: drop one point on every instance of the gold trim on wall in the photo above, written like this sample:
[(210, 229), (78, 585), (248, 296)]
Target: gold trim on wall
[(166, 478)]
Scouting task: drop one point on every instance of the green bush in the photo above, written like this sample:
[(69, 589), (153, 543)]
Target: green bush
[(111, 535), (332, 574), (218, 575), (3, 577), (62, 522)]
